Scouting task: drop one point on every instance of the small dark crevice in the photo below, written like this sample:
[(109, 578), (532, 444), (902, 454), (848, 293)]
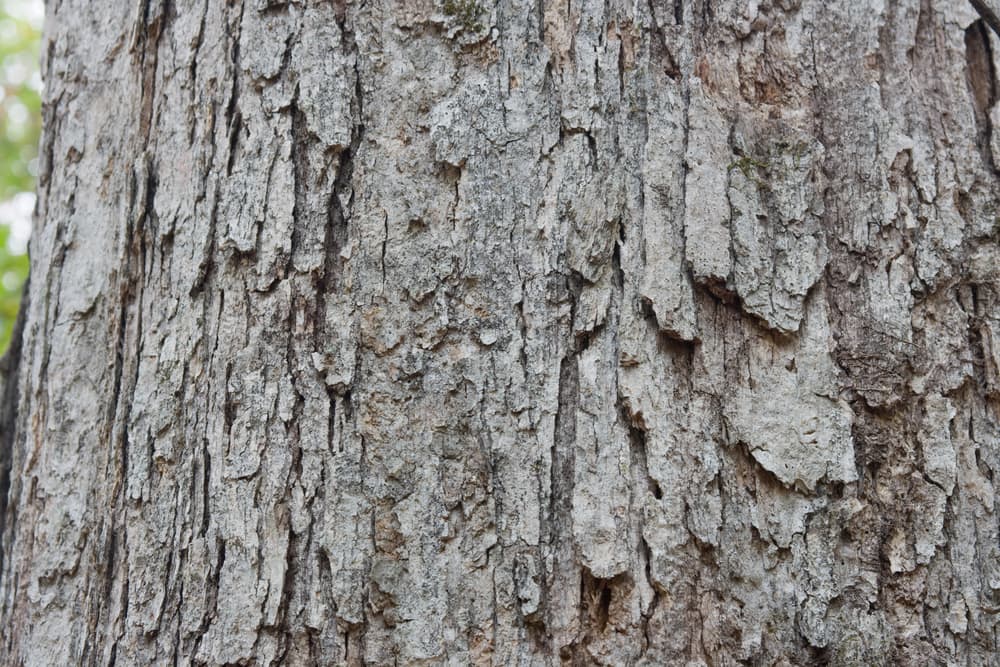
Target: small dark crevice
[(707, 14), (274, 8), (762, 475), (670, 339), (592, 144), (618, 272), (336, 233), (820, 655), (286, 57), (603, 605), (111, 558), (193, 67), (325, 570), (331, 424), (229, 408), (340, 14), (980, 76), (354, 642), (523, 329), (176, 611), (341, 197), (235, 130), (647, 557), (385, 243), (582, 340), (591, 141), (206, 482), (640, 457), (207, 264), (145, 42), (300, 170), (621, 70), (977, 346), (596, 598), (214, 577), (294, 554), (213, 580), (234, 120), (562, 454), (555, 520), (540, 19), (987, 14), (140, 220), (659, 49), (348, 406), (52, 113)]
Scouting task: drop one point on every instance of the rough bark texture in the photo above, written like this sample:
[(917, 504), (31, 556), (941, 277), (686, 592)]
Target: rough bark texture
[(510, 332)]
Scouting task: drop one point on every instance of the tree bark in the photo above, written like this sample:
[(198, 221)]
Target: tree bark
[(509, 332)]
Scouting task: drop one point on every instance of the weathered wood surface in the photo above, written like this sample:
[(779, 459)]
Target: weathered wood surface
[(506, 332)]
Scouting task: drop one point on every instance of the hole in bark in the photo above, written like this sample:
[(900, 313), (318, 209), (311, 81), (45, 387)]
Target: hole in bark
[(596, 595), (604, 608)]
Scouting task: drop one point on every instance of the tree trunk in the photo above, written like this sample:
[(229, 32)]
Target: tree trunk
[(509, 332)]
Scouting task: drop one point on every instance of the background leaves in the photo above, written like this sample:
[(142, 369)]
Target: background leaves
[(20, 123)]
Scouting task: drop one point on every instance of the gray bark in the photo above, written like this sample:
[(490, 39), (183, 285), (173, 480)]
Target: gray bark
[(509, 332)]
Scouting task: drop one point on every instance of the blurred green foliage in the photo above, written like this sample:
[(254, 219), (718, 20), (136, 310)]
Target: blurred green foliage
[(20, 123), (14, 269)]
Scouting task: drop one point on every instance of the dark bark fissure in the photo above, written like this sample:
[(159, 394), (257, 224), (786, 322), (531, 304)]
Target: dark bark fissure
[(660, 51), (977, 325), (145, 40), (562, 461), (234, 120), (988, 10), (10, 366), (981, 80), (193, 67), (300, 172)]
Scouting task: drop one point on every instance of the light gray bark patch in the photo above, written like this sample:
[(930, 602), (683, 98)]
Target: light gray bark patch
[(775, 195), (708, 248)]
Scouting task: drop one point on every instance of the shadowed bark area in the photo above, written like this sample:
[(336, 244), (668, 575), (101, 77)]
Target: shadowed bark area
[(509, 332), (9, 367)]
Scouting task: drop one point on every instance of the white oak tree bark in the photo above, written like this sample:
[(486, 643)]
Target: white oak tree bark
[(509, 332)]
